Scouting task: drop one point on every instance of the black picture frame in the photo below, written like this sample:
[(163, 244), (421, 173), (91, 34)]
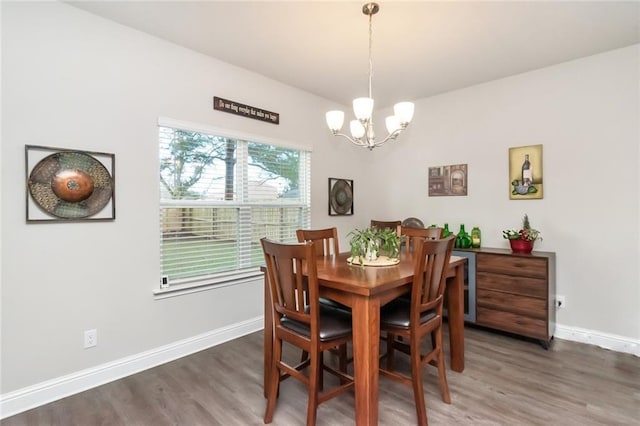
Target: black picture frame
[(340, 197), (53, 195)]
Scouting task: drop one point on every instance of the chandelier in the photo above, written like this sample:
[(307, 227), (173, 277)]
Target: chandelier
[(362, 133)]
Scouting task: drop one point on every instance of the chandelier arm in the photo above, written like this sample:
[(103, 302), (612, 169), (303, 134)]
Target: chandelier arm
[(350, 139), (367, 143), (390, 137)]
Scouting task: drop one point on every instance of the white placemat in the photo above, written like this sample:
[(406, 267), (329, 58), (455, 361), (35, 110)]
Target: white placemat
[(380, 261)]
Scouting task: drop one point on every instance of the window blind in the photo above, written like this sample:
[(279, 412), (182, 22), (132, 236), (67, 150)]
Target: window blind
[(219, 196)]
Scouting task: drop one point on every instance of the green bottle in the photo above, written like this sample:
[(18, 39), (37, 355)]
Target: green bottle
[(463, 239), (445, 231), (475, 237)]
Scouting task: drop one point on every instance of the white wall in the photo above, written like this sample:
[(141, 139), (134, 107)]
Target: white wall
[(586, 114), (73, 80), (77, 81)]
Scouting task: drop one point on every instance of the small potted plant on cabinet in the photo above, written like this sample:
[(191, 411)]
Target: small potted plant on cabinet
[(523, 239)]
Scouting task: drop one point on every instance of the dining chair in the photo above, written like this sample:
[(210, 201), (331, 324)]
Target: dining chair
[(420, 317), (381, 224), (410, 240), (327, 244), (327, 237), (411, 234), (302, 323)]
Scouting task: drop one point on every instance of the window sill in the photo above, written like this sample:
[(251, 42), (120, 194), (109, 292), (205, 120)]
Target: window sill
[(180, 289)]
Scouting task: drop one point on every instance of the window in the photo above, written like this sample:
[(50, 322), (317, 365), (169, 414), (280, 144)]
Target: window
[(218, 196)]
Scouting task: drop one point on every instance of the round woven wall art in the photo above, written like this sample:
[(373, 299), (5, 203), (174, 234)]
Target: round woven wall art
[(70, 185), (341, 197)]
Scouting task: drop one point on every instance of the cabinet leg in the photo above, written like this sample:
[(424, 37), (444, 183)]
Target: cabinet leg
[(545, 344)]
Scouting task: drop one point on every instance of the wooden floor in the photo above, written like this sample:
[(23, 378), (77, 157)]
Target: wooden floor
[(507, 381)]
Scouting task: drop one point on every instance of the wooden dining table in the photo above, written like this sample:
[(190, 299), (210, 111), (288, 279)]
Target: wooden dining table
[(365, 290)]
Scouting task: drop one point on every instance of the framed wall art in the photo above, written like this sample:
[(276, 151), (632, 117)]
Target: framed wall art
[(448, 180), (340, 197), (525, 173), (65, 185)]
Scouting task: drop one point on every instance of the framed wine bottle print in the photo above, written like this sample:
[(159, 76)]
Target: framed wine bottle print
[(525, 173)]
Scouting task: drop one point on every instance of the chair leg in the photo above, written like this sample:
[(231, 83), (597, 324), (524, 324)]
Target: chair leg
[(416, 378), (274, 381), (442, 371), (320, 372), (315, 372), (390, 350), (342, 361), (342, 358)]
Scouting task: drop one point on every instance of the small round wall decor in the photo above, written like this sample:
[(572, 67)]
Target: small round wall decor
[(340, 197)]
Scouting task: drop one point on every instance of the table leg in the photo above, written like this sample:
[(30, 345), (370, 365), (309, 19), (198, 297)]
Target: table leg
[(366, 343), (268, 336), (455, 309)]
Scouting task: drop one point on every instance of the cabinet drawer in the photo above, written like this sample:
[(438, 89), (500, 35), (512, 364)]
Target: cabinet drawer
[(534, 287), (528, 306), (514, 323), (513, 265)]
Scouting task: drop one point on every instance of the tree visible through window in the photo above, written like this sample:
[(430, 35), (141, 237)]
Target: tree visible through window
[(219, 196)]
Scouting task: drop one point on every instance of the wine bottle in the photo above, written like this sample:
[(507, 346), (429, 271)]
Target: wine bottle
[(527, 175)]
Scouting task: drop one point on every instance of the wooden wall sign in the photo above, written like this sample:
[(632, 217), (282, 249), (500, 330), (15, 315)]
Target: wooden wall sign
[(245, 110)]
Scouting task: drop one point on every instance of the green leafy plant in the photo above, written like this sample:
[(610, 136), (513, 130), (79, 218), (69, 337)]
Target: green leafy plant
[(375, 242), (525, 233)]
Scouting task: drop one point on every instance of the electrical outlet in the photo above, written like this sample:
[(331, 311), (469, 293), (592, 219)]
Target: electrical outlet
[(90, 338), (560, 303)]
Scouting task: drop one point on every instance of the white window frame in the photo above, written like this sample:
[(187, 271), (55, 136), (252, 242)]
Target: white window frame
[(244, 273)]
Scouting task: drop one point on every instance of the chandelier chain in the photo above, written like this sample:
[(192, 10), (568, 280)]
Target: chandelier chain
[(370, 53)]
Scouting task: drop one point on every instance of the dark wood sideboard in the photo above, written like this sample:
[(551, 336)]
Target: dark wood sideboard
[(515, 292)]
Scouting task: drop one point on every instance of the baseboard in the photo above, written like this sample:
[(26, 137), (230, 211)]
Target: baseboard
[(598, 338), (33, 396)]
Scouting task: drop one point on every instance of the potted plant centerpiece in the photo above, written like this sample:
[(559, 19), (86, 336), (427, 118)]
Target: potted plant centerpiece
[(370, 243), (522, 240)]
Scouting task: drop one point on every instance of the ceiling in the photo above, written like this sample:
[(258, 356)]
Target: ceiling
[(419, 48)]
